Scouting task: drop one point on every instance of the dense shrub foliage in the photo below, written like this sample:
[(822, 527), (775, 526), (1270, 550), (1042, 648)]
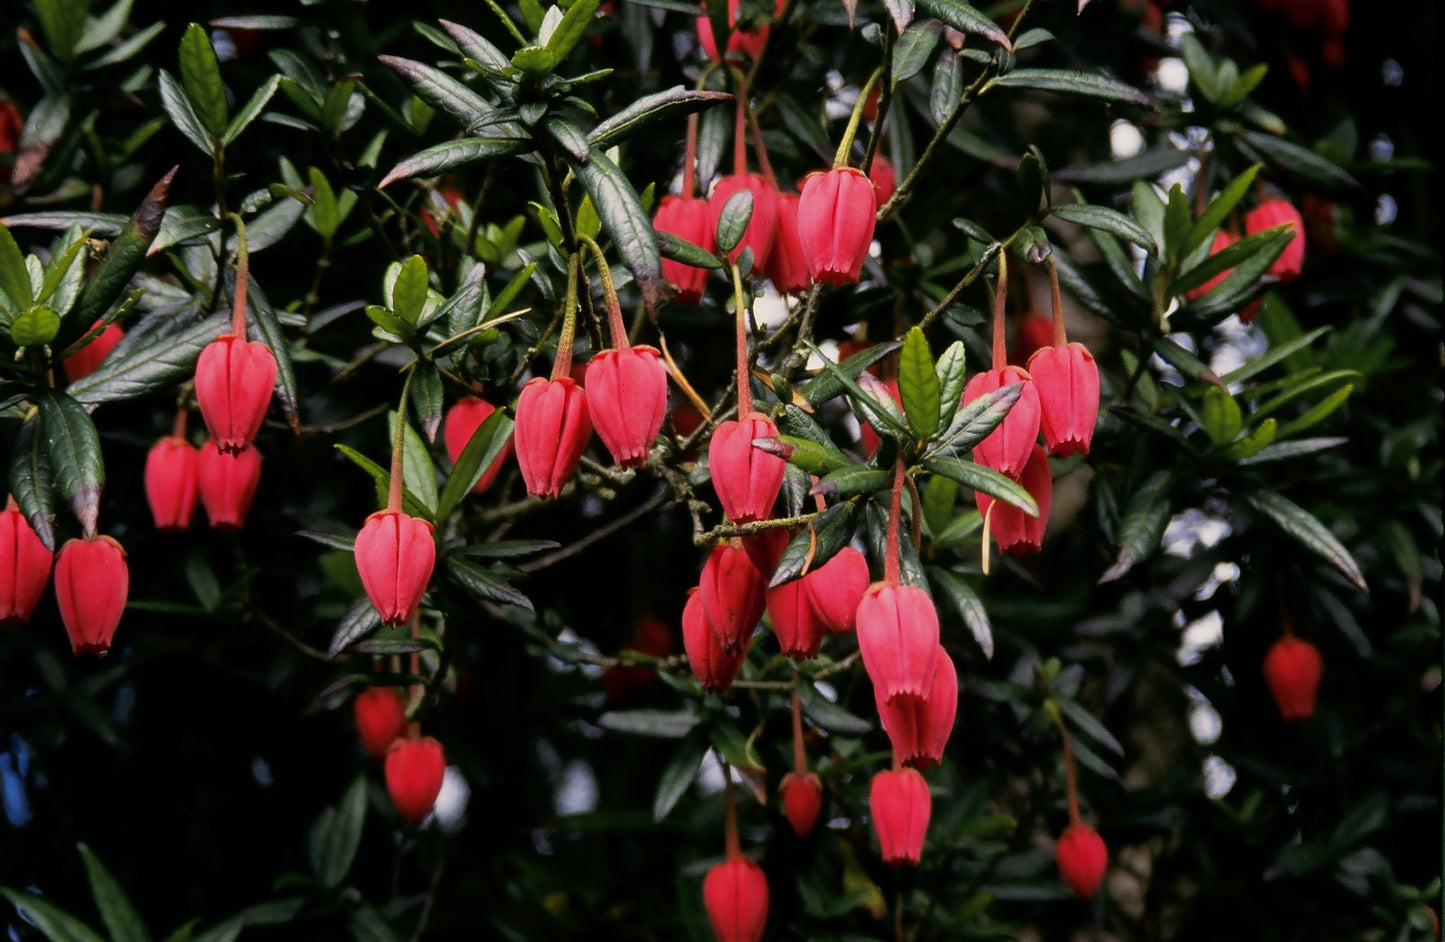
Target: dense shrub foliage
[(310, 314)]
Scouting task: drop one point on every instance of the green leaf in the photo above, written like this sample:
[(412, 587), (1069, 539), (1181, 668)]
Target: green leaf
[(625, 221), (830, 382), (829, 715), (918, 385), (1177, 220), (441, 91), (14, 277), (1089, 725), (914, 48), (1148, 210), (968, 605), (974, 421), (963, 17), (368, 925), (268, 325), (145, 369), (1182, 360), (661, 724), (569, 136), (381, 477), (1298, 387), (946, 88), (834, 529), (534, 60), (1281, 451), (409, 291), (178, 108), (478, 48), (1201, 66), (1253, 443), (1217, 211), (1073, 83), (572, 28), (201, 76), (987, 480), (35, 327), (73, 447), (1142, 524), (951, 381), (1243, 86), (811, 456), (1306, 529), (1297, 160), (733, 221), (730, 744), (483, 584), (1276, 355), (678, 100), (851, 481), (1223, 260), (481, 451), (116, 910), (63, 24), (688, 253), (54, 923), (426, 398), (1318, 412), (122, 260), (251, 110), (1148, 164), (336, 836), (32, 482), (453, 154), (938, 495), (360, 621), (1222, 418), (1108, 220), (678, 774)]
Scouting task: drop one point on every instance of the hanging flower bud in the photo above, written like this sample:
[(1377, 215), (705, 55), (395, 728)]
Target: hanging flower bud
[(835, 223), (919, 728), (234, 380), (1222, 241), (24, 566), (787, 266), (884, 179), (227, 483), (1015, 531), (92, 582), (735, 894), (687, 218), (170, 482), (898, 638), (732, 596), (550, 433), (1292, 670), (802, 795), (836, 587), (900, 807), (763, 225), (88, 358), (713, 667), (1278, 212), (742, 43), (462, 421), (395, 554), (747, 479), (1067, 380), (627, 399), (1006, 449), (380, 714), (414, 772), (799, 630), (1082, 859)]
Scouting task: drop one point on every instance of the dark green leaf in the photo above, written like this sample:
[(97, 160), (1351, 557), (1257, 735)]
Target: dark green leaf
[(567, 134), (1297, 160), (453, 154), (63, 24), (834, 528), (625, 220), (809, 455), (1317, 413), (973, 421), (1150, 163), (963, 17), (143, 370), (1089, 725), (918, 385), (481, 451), (269, 327), (1182, 360), (681, 250), (1257, 244), (1217, 211), (54, 923), (946, 88), (123, 258), (1142, 524), (201, 76), (441, 91), (733, 221), (676, 100), (1108, 220), (662, 724), (829, 383), (31, 481), (1177, 220), (913, 49), (1074, 83), (853, 480), (1305, 528), (987, 480), (73, 447), (426, 398), (368, 925), (478, 48), (951, 380), (1276, 355), (968, 605), (381, 477), (483, 584), (116, 911), (1283, 450), (360, 621), (570, 31), (337, 837), (14, 278), (252, 109), (678, 774), (829, 715), (938, 495)]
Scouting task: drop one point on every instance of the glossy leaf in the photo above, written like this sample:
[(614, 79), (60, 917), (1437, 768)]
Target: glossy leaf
[(453, 154), (155, 366), (624, 220), (973, 475), (679, 773), (962, 16), (1073, 83), (441, 91), (201, 78), (833, 529), (918, 385), (54, 923), (481, 450), (1306, 529), (1142, 524), (73, 447), (31, 480), (678, 100), (968, 605), (1108, 220), (336, 836)]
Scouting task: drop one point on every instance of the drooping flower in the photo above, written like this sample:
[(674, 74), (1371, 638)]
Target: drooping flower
[(919, 728), (170, 482), (802, 795), (650, 636), (731, 592), (1083, 858), (1067, 380), (24, 566), (687, 218), (395, 554), (884, 178), (1222, 241), (627, 400), (898, 638), (551, 431), (835, 223), (714, 668), (461, 422), (1292, 670), (227, 484), (747, 479), (380, 714), (742, 43), (1015, 531), (234, 380), (1006, 449), (735, 894), (900, 806), (415, 769), (762, 226), (88, 358), (92, 582), (799, 630), (1277, 212), (787, 266), (836, 587)]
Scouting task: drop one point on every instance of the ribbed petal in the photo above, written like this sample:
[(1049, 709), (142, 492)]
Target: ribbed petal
[(170, 482), (1067, 380), (898, 638), (1015, 531), (799, 630), (802, 795), (787, 265), (835, 223), (234, 381), (900, 806), (92, 582), (1006, 449), (24, 568), (747, 479), (551, 432), (627, 399), (732, 596), (395, 554), (735, 894), (713, 667), (227, 484), (380, 714), (415, 769), (836, 587)]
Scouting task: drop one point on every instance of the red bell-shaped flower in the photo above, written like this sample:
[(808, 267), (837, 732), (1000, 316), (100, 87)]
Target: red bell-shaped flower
[(380, 714), (836, 587), (627, 399), (551, 433), (170, 482), (88, 358), (1067, 380), (1034, 333), (742, 43), (395, 554), (835, 223), (227, 483), (414, 772), (898, 638), (1222, 241), (919, 728), (787, 266), (732, 596), (799, 630), (92, 582), (1082, 859), (1006, 449), (24, 567), (1278, 212), (1292, 670), (802, 795), (687, 218), (763, 225), (747, 479), (234, 380), (713, 667), (1015, 531), (884, 178), (461, 422), (900, 807), (735, 894)]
